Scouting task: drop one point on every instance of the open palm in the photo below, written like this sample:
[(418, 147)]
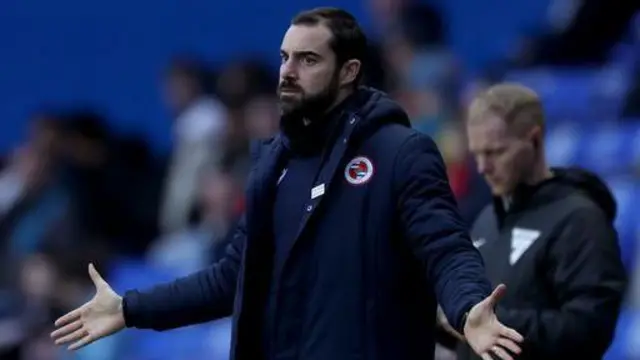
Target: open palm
[(99, 317), (485, 334)]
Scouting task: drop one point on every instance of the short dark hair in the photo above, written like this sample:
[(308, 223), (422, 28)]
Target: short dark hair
[(348, 41)]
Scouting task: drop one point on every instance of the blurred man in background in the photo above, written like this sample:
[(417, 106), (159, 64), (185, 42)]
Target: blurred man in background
[(548, 235), (198, 130)]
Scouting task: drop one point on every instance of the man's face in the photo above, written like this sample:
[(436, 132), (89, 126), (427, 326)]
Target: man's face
[(501, 157), (178, 91), (44, 136), (308, 73)]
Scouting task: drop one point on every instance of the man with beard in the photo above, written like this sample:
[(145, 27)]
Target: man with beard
[(351, 234)]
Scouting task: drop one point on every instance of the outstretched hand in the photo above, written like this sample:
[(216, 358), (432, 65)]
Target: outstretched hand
[(99, 317), (485, 334)]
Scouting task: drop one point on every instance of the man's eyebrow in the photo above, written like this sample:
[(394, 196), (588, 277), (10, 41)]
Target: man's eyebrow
[(301, 53)]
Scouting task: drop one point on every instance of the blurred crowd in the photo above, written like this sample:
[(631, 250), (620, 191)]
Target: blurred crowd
[(76, 192)]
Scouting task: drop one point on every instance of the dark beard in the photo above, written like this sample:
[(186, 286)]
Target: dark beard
[(309, 124), (310, 107)]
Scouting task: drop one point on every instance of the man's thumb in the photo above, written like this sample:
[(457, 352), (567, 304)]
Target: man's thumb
[(497, 294), (95, 276)]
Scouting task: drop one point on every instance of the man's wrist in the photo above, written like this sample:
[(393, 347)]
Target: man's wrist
[(463, 323), (124, 311)]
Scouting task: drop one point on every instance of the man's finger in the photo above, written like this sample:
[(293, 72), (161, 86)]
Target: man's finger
[(497, 294), (67, 329), (74, 336), (69, 317), (81, 343), (501, 353), (511, 334), (509, 345), (486, 356)]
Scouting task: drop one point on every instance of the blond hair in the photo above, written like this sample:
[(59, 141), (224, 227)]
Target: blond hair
[(519, 106)]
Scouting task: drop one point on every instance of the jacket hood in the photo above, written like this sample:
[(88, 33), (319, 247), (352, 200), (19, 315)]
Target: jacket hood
[(564, 182), (375, 109), (590, 185)]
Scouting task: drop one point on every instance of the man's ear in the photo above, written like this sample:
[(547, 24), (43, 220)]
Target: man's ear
[(535, 136), (349, 72)]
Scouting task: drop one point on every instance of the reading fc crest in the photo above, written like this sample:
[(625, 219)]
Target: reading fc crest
[(358, 171)]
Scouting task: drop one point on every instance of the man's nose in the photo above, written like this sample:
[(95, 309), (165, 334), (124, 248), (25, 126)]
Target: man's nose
[(288, 70), (482, 165)]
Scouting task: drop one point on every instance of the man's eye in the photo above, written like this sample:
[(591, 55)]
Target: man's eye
[(496, 152), (309, 61)]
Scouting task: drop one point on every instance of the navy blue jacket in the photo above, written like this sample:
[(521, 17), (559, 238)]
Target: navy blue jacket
[(370, 262)]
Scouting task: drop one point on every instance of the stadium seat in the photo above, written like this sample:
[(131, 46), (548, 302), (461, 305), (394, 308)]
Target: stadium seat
[(590, 94), (622, 343), (604, 147), (627, 194)]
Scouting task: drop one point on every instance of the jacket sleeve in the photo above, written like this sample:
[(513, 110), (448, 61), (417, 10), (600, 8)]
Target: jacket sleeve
[(588, 279), (435, 230), (203, 296)]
